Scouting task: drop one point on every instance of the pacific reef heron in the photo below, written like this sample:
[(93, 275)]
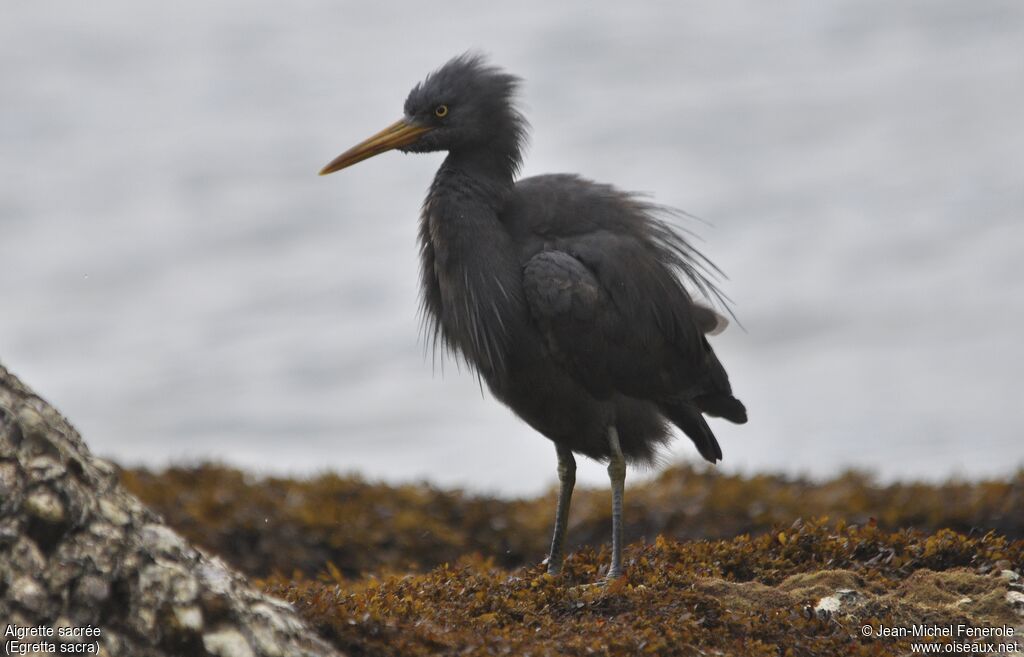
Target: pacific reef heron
[(573, 300)]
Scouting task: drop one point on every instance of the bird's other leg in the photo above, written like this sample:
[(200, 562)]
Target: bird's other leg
[(566, 481), (617, 474)]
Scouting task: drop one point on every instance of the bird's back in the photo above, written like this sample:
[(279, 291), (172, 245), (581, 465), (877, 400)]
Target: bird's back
[(638, 264), (605, 279)]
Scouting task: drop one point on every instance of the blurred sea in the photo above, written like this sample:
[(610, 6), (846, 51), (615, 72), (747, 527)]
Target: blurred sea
[(180, 283)]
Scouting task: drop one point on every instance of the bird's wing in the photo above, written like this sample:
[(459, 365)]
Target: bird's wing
[(620, 321)]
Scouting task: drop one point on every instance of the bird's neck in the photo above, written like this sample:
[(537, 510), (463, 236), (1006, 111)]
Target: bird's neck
[(469, 191), (464, 206), (470, 264), (486, 168)]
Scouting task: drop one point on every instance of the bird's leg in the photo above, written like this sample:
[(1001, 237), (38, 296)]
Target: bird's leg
[(617, 474), (566, 481)]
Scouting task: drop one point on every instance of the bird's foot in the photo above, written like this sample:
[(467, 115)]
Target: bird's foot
[(554, 568), (612, 577)]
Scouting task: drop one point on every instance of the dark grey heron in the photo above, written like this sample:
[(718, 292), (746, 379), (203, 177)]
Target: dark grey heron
[(571, 299)]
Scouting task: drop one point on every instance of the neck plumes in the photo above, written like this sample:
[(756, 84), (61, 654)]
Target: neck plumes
[(470, 268)]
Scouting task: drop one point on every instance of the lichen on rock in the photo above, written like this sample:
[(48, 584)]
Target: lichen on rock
[(79, 553)]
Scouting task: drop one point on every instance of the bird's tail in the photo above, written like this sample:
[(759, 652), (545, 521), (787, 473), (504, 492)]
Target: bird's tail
[(724, 405), (688, 418)]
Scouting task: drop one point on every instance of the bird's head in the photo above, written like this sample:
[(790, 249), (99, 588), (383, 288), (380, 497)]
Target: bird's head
[(464, 106)]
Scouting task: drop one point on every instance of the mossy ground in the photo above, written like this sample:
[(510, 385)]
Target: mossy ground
[(717, 565)]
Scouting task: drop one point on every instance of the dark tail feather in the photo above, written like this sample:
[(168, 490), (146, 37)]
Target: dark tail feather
[(689, 419), (722, 405)]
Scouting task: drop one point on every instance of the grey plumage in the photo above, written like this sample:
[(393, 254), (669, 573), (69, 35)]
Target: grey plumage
[(571, 299)]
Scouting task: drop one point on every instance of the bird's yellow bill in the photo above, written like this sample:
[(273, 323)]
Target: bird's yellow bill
[(398, 134)]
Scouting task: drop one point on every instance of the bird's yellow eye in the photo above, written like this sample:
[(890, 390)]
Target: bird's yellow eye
[(441, 111)]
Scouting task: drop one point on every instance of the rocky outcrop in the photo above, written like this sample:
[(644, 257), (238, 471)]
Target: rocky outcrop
[(85, 568)]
